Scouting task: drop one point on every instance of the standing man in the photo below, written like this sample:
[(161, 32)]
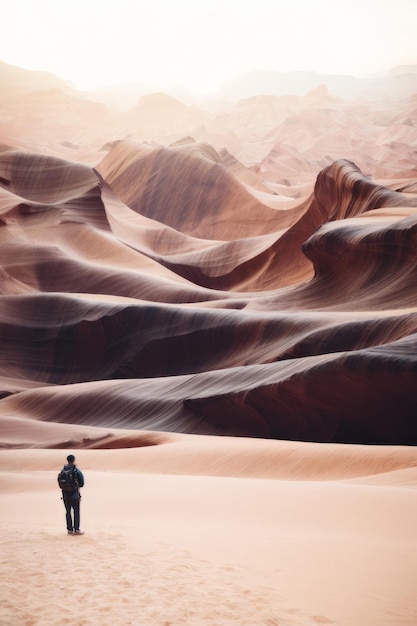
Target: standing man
[(70, 480)]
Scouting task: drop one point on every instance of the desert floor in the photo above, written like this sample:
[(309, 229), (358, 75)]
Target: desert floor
[(213, 531)]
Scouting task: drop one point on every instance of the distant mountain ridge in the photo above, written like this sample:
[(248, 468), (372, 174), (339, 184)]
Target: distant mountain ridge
[(18, 78), (398, 83)]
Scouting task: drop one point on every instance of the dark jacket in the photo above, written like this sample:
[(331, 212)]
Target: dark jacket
[(78, 473)]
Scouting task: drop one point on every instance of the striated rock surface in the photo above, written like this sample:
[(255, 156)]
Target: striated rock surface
[(175, 288)]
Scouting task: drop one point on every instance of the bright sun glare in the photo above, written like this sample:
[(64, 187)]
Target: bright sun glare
[(199, 44)]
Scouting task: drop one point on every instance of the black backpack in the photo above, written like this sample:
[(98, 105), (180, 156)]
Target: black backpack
[(68, 479)]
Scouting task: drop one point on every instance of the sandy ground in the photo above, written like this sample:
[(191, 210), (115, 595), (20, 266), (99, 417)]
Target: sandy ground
[(328, 537)]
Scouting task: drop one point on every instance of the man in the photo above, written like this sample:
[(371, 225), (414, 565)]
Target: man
[(71, 494)]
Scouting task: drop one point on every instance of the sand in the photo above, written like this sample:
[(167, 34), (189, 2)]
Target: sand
[(324, 539)]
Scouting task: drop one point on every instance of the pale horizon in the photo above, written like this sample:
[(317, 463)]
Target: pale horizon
[(199, 46)]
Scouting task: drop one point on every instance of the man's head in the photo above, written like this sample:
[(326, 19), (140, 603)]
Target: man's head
[(71, 458)]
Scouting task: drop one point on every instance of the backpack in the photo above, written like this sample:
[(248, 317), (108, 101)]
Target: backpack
[(68, 480)]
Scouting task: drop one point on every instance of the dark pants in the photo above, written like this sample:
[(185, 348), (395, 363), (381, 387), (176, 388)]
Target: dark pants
[(72, 503)]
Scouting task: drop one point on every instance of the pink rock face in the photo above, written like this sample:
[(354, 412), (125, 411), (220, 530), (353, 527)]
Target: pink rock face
[(186, 286)]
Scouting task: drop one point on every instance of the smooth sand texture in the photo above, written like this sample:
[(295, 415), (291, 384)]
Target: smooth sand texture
[(327, 538)]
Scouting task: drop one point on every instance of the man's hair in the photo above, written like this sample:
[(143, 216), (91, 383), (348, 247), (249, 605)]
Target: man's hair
[(70, 458)]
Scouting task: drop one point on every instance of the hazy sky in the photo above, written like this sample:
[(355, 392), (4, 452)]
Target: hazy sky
[(199, 43)]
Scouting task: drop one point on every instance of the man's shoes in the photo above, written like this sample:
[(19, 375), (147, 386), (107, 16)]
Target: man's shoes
[(70, 532), (78, 532)]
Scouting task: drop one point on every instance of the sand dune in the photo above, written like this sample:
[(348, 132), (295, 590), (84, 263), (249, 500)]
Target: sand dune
[(215, 531), (304, 329), (216, 311)]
